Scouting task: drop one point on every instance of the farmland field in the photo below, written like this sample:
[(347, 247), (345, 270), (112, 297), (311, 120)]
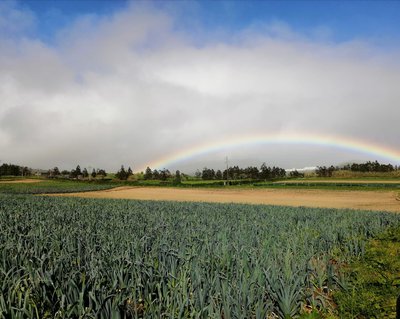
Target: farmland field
[(104, 258), (37, 186), (365, 200)]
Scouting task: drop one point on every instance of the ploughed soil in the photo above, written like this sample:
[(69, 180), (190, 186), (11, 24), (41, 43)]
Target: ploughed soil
[(366, 200), (21, 181), (349, 181)]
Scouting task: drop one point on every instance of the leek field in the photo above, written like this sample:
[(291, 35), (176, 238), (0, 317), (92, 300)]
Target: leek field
[(54, 186), (83, 258)]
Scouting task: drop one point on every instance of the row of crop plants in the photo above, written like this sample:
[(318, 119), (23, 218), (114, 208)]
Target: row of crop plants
[(53, 186), (75, 258)]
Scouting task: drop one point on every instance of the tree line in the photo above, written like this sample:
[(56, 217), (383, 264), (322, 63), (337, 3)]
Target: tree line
[(162, 175), (76, 173), (14, 170), (233, 173), (323, 171), (123, 174), (371, 167)]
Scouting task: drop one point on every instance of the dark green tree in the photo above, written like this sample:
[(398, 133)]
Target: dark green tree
[(165, 174), (156, 174), (148, 174), (265, 172), (296, 174), (56, 171), (129, 172), (208, 174), (122, 174), (251, 173), (10, 170), (85, 173), (178, 178), (102, 173), (323, 171), (75, 172), (26, 171)]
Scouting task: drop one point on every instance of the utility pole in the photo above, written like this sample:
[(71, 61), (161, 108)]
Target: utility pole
[(227, 166)]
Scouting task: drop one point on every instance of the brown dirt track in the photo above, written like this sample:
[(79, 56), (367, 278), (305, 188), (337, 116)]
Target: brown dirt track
[(347, 181), (21, 181), (367, 200)]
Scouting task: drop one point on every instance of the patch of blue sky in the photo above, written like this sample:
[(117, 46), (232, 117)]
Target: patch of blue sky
[(337, 21), (53, 16)]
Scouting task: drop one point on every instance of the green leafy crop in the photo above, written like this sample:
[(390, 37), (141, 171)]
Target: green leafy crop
[(75, 258)]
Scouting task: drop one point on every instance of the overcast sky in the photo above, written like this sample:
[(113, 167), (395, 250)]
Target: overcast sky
[(107, 83)]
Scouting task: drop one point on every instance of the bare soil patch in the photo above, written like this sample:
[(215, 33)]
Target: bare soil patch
[(348, 181), (21, 181), (382, 200)]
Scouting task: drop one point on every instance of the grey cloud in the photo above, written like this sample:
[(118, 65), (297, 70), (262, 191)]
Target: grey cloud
[(130, 89), (33, 66)]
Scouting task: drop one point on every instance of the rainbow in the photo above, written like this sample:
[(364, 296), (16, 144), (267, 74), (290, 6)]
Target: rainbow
[(345, 143)]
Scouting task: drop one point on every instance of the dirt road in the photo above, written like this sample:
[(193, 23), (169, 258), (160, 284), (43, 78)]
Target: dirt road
[(367, 200), (21, 181), (339, 181)]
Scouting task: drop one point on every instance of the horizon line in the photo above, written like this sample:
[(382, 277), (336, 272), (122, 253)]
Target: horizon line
[(346, 143)]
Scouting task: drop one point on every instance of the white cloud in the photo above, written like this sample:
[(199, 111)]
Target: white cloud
[(129, 88)]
